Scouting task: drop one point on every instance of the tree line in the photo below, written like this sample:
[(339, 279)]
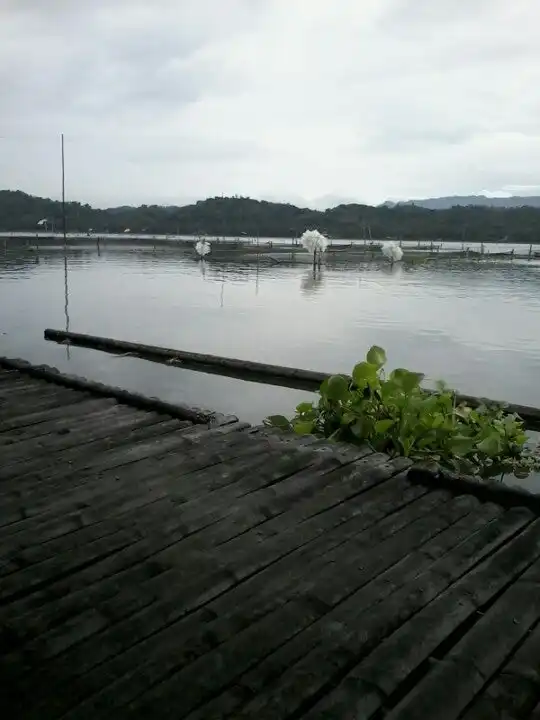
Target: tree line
[(241, 216)]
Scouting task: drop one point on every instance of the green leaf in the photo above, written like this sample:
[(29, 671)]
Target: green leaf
[(323, 390), (338, 388), (376, 356), (304, 407), (491, 445), (303, 427), (383, 426), (364, 372), (406, 379), (394, 414), (461, 444), (413, 381), (278, 421)]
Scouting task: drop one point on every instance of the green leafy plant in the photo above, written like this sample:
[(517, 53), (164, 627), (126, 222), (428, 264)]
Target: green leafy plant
[(394, 414)]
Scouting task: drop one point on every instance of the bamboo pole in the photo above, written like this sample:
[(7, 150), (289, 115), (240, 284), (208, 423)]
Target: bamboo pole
[(296, 378)]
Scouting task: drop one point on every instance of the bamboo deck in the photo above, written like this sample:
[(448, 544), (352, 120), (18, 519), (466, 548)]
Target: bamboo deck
[(193, 567)]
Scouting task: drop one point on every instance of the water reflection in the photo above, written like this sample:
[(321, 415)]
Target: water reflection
[(312, 281), (474, 324), (66, 300), (395, 270)]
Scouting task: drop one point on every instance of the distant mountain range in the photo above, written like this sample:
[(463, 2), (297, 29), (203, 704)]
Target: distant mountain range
[(444, 203)]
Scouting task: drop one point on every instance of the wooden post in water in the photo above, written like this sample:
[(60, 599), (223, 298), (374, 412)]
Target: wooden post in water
[(530, 252)]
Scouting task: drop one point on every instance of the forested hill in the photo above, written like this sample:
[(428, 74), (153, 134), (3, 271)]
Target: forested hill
[(243, 216)]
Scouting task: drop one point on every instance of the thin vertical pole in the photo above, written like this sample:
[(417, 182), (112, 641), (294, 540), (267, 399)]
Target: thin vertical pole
[(64, 233), (64, 228)]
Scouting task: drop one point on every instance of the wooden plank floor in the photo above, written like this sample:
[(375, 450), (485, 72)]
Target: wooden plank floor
[(155, 568)]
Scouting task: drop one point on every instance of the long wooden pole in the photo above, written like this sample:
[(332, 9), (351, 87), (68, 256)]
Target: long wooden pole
[(297, 378), (64, 223), (64, 233)]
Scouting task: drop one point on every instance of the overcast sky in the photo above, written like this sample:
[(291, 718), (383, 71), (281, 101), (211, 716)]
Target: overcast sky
[(300, 100)]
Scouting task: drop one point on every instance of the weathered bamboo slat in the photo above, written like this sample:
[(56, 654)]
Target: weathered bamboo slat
[(297, 378)]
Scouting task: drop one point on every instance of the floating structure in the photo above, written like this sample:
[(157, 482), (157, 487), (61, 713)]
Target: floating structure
[(156, 565)]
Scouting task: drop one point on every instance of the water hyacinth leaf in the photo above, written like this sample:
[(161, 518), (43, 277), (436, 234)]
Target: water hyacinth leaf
[(376, 356), (406, 379), (363, 373), (303, 427), (337, 388), (511, 422), (323, 390), (461, 444), (383, 426), (437, 421), (278, 421), (492, 445), (396, 376), (424, 442), (395, 414), (413, 380)]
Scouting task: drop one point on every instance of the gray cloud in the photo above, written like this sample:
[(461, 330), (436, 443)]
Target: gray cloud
[(167, 99)]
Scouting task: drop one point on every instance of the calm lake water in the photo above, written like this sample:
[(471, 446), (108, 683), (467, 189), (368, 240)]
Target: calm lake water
[(476, 325)]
